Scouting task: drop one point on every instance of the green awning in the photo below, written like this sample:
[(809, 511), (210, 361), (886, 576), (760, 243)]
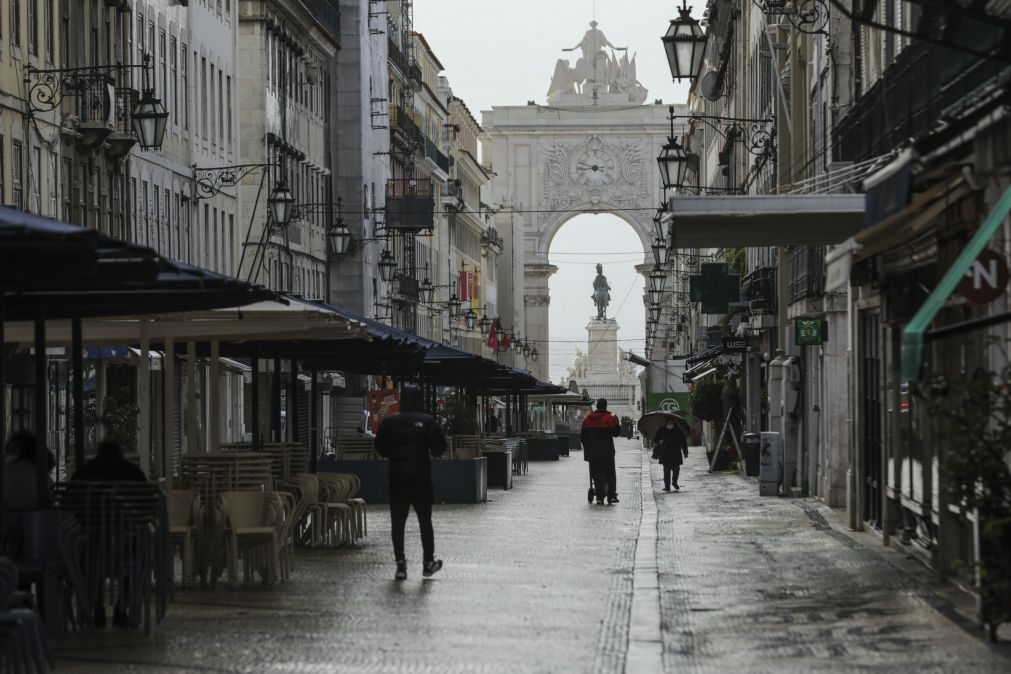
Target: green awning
[(913, 337)]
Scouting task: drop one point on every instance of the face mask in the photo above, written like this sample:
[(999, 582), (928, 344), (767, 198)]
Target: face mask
[(670, 424)]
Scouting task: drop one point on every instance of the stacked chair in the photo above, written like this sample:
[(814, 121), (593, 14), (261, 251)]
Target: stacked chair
[(23, 646), (124, 541)]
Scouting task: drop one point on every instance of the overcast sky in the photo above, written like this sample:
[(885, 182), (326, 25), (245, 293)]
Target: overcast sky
[(503, 52)]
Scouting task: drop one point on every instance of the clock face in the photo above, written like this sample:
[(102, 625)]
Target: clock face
[(593, 167)]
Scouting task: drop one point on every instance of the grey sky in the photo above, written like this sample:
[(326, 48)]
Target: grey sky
[(503, 53)]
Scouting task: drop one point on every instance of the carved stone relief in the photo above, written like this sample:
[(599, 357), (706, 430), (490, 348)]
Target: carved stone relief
[(594, 172)]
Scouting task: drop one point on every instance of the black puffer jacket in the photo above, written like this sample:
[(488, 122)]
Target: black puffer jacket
[(671, 446), (407, 439), (600, 428)]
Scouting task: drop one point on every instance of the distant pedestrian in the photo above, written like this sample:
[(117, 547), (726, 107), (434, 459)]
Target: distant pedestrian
[(671, 450), (408, 439), (492, 424), (600, 428), (110, 465)]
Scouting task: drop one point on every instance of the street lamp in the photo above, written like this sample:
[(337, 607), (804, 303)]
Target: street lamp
[(526, 350), (655, 311), (340, 235), (280, 202), (387, 266), (661, 253), (657, 279), (485, 322), (685, 44), (149, 121), (470, 319), (533, 354), (426, 291), (453, 305)]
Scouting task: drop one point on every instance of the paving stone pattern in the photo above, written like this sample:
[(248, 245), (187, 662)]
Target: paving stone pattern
[(537, 580)]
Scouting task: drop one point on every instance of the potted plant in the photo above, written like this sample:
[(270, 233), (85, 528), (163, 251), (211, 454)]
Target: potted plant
[(973, 416), (705, 396), (119, 419)]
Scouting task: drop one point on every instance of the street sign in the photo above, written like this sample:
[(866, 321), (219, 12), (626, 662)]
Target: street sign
[(986, 279), (809, 331), (735, 345)]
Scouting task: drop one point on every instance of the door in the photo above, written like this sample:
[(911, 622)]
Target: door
[(870, 414)]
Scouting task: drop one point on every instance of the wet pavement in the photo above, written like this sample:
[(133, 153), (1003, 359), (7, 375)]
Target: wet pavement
[(710, 579)]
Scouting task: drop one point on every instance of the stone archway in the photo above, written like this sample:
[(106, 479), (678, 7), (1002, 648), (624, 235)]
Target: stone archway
[(593, 149)]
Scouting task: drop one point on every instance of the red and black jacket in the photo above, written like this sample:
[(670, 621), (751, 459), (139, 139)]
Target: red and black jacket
[(600, 427)]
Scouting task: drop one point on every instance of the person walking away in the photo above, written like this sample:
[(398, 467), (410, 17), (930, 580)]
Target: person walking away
[(599, 430), (671, 450), (110, 465), (407, 440)]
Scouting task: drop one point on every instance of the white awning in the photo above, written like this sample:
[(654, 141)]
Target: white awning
[(765, 220)]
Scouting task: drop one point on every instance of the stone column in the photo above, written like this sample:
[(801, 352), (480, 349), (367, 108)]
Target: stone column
[(536, 301)]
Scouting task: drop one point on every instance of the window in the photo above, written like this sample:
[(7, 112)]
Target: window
[(81, 188), (214, 236), (96, 57), (207, 236), (95, 188), (184, 226), (136, 211), (186, 86), (173, 61), (17, 170), (175, 226), (33, 27), (36, 179), (110, 196), (140, 37), (221, 110), (158, 236), (166, 223), (163, 64), (146, 209), (203, 98), (228, 96), (229, 249), (65, 188), (54, 168), (65, 32), (15, 22), (210, 95)]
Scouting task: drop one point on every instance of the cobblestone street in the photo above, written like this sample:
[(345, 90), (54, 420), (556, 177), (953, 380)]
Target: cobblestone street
[(536, 580)]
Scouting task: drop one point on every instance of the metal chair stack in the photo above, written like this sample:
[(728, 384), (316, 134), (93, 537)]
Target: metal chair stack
[(125, 531), (23, 646)]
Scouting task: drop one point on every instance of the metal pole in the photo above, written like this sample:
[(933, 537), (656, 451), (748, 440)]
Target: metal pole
[(41, 402), (275, 402), (293, 403), (313, 417), (77, 384), (145, 446), (255, 402), (3, 397), (165, 467), (214, 412)]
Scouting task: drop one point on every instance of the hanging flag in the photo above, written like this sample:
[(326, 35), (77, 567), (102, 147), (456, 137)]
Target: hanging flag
[(505, 339), (492, 341)]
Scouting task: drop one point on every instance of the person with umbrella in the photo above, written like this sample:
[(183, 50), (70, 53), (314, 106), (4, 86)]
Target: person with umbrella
[(668, 432)]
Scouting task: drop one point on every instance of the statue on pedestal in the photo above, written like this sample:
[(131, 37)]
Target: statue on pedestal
[(596, 73), (601, 292)]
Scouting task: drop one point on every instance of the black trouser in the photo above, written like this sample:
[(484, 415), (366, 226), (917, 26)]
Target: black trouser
[(603, 474), (402, 497), (670, 474)]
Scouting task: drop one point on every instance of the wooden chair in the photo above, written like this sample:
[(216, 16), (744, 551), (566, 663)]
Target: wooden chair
[(185, 518), (251, 520)]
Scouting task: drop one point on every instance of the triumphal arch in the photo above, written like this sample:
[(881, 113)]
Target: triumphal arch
[(591, 149)]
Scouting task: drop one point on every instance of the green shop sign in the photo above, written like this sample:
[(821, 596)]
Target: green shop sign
[(678, 403), (809, 331)]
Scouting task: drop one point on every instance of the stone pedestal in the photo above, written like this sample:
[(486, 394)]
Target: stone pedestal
[(602, 345)]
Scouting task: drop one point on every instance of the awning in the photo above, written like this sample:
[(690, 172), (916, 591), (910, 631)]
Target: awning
[(913, 337), (765, 220)]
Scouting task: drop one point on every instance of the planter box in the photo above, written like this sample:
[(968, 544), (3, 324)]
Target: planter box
[(454, 480), (500, 469), (542, 449)]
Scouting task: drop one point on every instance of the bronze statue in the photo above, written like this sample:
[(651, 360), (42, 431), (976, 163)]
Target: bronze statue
[(601, 292)]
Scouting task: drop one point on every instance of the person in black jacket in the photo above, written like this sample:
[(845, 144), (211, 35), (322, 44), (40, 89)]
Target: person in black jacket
[(407, 439), (110, 465), (671, 450), (600, 428)]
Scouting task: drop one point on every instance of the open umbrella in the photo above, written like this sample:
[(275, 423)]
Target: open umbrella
[(650, 423)]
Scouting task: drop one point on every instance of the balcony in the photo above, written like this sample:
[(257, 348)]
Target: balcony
[(328, 15), (439, 159), (406, 131), (407, 289), (916, 89), (807, 273), (410, 205), (759, 289), (397, 57)]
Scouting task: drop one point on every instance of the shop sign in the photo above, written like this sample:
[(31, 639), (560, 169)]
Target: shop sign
[(986, 279), (735, 345), (678, 403), (809, 331)]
